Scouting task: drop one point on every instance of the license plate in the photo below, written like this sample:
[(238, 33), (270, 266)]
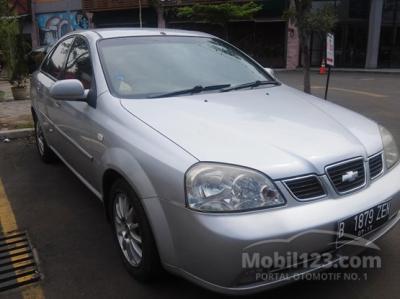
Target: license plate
[(362, 223)]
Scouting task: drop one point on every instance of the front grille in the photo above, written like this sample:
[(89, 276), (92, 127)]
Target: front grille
[(347, 176), (305, 188), (375, 166)]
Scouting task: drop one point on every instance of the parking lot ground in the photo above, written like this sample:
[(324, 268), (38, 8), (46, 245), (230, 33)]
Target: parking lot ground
[(374, 95), (76, 250)]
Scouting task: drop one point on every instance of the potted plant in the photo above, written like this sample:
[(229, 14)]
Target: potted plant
[(18, 70), (13, 47)]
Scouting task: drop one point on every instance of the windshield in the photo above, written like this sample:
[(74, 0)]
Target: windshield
[(144, 67)]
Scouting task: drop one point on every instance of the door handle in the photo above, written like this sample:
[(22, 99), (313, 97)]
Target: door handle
[(57, 104)]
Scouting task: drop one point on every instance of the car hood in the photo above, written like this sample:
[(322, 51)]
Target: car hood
[(279, 130)]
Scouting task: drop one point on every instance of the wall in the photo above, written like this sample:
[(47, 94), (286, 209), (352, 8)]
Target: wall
[(46, 6), (52, 26)]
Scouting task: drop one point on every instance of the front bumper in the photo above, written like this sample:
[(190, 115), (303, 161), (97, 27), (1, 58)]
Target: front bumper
[(208, 247)]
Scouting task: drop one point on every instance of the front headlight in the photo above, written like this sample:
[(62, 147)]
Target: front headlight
[(212, 187), (390, 149)]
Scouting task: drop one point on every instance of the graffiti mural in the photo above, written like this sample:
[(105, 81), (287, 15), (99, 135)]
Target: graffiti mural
[(52, 26)]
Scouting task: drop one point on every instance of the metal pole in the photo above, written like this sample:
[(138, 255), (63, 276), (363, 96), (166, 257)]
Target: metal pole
[(327, 82)]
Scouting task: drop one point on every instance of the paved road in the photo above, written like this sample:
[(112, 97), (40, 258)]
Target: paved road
[(75, 245)]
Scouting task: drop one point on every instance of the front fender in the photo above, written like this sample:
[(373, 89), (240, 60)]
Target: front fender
[(122, 162)]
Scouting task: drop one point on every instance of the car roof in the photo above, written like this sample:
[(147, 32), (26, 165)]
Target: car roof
[(126, 32)]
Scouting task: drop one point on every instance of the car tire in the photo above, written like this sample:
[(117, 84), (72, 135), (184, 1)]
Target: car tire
[(133, 233), (45, 152)]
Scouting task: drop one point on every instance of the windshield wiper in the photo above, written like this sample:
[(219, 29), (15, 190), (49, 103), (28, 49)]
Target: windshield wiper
[(250, 85), (193, 90)]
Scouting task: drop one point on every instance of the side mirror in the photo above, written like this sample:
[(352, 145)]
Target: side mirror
[(68, 90), (270, 72)]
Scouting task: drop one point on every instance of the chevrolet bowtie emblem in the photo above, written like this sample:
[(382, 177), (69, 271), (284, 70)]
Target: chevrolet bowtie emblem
[(349, 176)]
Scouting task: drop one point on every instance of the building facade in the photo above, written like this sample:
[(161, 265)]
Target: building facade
[(367, 33), (54, 18), (264, 38)]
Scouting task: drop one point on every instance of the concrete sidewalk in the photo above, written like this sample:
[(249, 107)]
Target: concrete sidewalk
[(5, 91), (13, 114)]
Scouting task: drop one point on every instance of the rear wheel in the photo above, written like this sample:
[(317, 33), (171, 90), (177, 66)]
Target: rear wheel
[(45, 153), (133, 233)]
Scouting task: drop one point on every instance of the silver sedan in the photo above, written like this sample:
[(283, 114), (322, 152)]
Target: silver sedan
[(207, 165)]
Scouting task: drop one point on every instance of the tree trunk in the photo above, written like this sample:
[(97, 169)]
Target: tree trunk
[(140, 14), (305, 48), (160, 16), (302, 8)]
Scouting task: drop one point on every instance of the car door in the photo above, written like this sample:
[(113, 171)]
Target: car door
[(75, 120), (50, 70)]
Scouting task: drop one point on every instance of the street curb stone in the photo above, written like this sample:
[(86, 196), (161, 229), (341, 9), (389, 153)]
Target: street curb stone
[(14, 134), (346, 70)]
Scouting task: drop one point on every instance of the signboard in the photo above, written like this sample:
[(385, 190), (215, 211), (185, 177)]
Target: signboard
[(330, 49)]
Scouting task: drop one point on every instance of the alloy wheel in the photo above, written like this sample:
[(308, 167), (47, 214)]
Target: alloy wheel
[(127, 229)]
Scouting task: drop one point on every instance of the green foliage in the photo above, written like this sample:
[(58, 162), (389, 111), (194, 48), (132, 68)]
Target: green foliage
[(4, 11), (12, 46), (308, 20), (321, 20), (219, 13)]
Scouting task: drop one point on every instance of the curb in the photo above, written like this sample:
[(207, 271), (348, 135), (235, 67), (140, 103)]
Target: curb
[(14, 134), (345, 70), (366, 71)]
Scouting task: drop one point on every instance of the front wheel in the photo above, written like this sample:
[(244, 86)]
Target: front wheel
[(133, 233)]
